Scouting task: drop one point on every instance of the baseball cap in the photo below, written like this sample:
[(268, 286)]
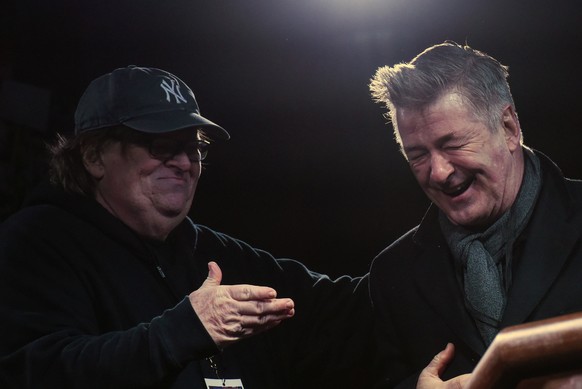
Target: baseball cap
[(145, 99)]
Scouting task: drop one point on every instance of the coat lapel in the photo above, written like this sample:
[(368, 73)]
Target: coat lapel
[(436, 279), (546, 251)]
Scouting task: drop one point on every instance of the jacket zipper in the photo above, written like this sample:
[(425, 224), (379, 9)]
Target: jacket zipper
[(162, 274)]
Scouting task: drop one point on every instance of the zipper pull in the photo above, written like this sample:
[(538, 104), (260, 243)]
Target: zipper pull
[(160, 271)]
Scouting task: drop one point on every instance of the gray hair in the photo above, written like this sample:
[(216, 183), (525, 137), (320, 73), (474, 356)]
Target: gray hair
[(444, 68)]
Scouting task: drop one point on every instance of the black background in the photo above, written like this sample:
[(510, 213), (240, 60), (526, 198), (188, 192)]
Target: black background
[(311, 171)]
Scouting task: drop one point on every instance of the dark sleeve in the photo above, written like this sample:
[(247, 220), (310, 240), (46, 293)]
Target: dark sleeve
[(329, 342), (393, 369), (333, 342), (50, 332)]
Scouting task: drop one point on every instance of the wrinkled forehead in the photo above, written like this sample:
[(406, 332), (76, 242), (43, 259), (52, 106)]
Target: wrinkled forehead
[(451, 98)]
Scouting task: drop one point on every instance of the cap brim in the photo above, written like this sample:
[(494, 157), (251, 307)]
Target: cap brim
[(163, 122)]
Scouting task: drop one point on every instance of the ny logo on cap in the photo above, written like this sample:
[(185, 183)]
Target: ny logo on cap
[(172, 89)]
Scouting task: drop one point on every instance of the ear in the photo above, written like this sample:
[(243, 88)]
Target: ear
[(511, 128), (93, 163)]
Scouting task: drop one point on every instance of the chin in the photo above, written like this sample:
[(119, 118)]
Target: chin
[(177, 209), (173, 210), (471, 222), (174, 213), (463, 218)]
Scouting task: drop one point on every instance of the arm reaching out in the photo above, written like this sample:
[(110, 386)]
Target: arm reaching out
[(430, 376), (233, 312)]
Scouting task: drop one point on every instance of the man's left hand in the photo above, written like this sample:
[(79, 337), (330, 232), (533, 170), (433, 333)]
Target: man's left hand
[(430, 376)]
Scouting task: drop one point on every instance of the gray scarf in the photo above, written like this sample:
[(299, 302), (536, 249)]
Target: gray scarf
[(485, 257)]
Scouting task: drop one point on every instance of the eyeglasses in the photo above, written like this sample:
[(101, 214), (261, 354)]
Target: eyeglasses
[(166, 148)]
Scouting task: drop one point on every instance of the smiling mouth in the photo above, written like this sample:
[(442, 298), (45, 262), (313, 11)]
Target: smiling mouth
[(458, 190), (180, 178)]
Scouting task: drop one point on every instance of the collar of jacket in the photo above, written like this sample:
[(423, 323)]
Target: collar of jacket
[(558, 206)]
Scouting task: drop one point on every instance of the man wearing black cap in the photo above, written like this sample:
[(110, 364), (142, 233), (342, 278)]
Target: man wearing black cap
[(106, 283)]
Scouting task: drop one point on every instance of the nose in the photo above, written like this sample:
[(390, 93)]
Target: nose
[(440, 168), (181, 161)]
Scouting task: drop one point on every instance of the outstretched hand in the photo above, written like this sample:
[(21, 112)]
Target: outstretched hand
[(233, 312), (430, 376)]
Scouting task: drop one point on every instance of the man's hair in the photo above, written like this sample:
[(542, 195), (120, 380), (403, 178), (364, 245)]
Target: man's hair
[(67, 168), (441, 69)]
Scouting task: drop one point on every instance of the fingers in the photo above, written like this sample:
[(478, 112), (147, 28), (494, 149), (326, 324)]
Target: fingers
[(258, 314), (233, 312), (430, 376), (265, 307), (214, 277), (214, 272), (254, 308), (248, 325), (241, 292), (245, 292), (440, 361), (235, 320), (263, 314)]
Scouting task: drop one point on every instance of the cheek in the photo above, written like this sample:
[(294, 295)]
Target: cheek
[(422, 175), (496, 167), (196, 172), (138, 180), (130, 186)]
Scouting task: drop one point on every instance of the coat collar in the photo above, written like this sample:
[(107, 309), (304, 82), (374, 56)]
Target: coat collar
[(86, 208), (435, 273), (551, 235), (435, 277)]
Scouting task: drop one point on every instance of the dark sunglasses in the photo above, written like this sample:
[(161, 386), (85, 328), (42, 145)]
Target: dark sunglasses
[(166, 148)]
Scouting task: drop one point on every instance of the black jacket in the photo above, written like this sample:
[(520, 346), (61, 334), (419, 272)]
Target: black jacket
[(419, 302), (86, 303)]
